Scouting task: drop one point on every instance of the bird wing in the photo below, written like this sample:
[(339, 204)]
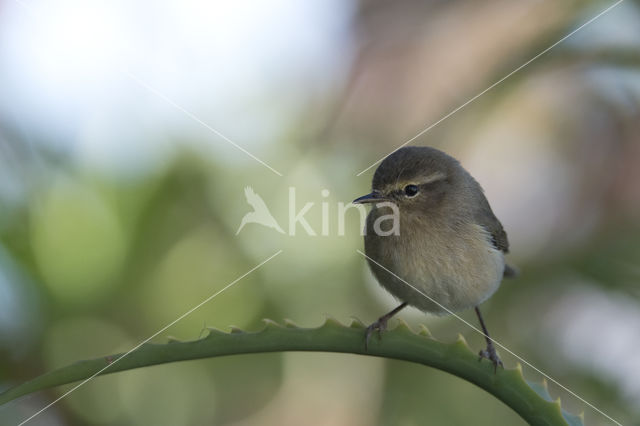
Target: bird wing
[(484, 216), (499, 236), (255, 200)]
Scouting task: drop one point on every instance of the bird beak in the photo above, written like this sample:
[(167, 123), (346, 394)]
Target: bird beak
[(374, 197)]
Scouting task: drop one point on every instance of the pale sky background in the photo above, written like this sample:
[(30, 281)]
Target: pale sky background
[(66, 68)]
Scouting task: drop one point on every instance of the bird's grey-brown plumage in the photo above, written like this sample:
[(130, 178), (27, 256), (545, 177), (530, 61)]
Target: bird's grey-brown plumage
[(450, 246)]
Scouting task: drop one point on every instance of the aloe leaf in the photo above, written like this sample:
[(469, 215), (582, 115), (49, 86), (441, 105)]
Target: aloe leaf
[(530, 400)]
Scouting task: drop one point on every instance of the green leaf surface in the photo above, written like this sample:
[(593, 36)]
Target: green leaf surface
[(530, 400)]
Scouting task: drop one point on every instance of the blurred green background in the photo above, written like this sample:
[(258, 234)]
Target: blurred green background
[(119, 209)]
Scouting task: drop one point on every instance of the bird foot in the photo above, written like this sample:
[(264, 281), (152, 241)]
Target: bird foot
[(380, 325), (491, 355)]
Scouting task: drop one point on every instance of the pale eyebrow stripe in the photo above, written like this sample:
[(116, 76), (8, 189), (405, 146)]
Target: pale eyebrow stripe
[(431, 178)]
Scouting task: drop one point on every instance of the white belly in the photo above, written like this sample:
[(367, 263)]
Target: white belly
[(438, 272)]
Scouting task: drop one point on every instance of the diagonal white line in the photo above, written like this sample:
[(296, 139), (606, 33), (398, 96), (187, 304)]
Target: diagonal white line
[(152, 336), (194, 117), (422, 132), (524, 361)]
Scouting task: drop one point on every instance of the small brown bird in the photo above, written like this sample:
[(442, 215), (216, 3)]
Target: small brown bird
[(448, 244)]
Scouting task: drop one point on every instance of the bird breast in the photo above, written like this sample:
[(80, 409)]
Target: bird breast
[(438, 266)]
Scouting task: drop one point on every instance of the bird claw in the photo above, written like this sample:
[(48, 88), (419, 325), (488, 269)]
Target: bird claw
[(491, 355), (380, 325)]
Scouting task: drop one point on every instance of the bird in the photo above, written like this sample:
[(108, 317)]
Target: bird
[(260, 213), (447, 251)]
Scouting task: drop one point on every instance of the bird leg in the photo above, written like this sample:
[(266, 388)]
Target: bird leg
[(490, 352), (381, 324)]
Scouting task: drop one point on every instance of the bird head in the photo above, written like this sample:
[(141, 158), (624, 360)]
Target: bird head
[(416, 179)]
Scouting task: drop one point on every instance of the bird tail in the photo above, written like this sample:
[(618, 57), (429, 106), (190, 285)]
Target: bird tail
[(510, 271)]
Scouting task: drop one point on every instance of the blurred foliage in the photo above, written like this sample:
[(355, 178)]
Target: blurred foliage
[(95, 259)]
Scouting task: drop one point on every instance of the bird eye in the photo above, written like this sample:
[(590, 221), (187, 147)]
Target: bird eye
[(411, 190)]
